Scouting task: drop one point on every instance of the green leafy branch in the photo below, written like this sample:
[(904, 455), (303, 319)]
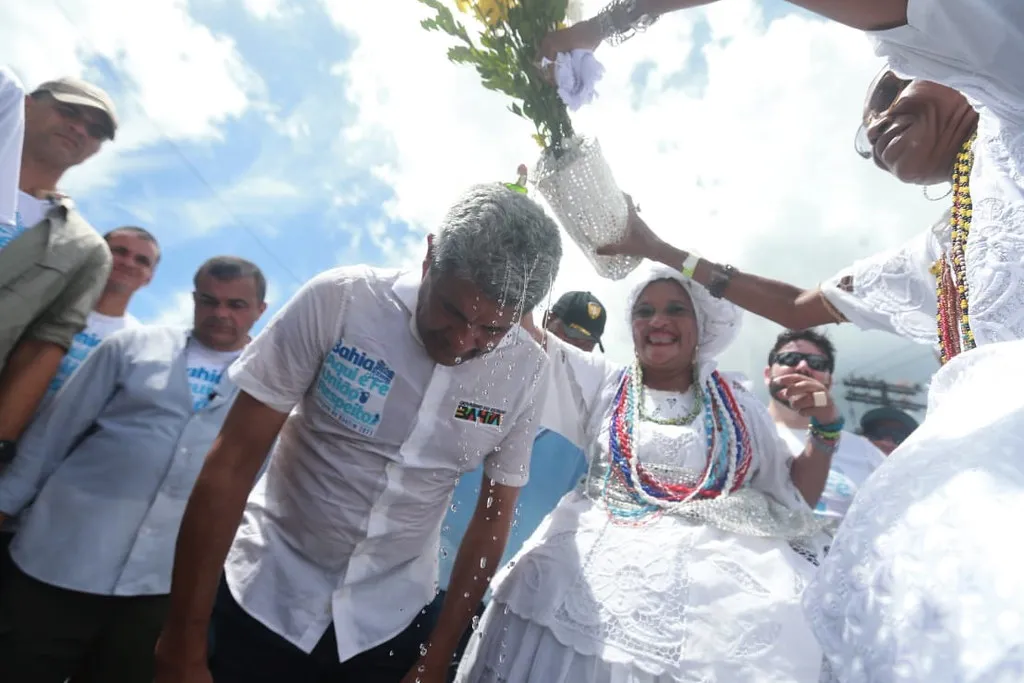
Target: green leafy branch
[(505, 57)]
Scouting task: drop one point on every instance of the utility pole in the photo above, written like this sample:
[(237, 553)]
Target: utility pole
[(875, 392)]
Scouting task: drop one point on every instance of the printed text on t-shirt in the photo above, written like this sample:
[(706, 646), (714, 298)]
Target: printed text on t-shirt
[(353, 387)]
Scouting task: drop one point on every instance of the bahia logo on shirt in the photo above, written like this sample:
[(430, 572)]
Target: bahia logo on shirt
[(203, 382), (353, 386), (82, 345)]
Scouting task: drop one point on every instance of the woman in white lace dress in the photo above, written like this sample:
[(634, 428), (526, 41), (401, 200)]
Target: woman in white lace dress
[(683, 555), (923, 580)]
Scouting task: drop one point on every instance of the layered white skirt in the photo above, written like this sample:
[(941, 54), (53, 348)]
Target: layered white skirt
[(587, 600)]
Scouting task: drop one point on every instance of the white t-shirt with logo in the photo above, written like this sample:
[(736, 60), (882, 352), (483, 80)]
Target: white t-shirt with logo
[(205, 368), (97, 328), (28, 213), (852, 463)]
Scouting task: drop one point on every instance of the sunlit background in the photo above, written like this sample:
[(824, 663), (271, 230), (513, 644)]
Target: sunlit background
[(305, 134)]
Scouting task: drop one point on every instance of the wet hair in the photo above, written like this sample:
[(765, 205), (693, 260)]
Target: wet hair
[(226, 268), (823, 343), (501, 241), (139, 232)]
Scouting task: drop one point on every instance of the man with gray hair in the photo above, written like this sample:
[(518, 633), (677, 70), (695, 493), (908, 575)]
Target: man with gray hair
[(380, 388)]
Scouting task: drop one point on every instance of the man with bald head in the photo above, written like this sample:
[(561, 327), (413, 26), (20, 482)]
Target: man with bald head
[(53, 265)]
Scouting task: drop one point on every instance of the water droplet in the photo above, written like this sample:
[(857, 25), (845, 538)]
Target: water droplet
[(453, 507), (483, 563), (490, 501), (475, 624), (443, 552), (391, 653)]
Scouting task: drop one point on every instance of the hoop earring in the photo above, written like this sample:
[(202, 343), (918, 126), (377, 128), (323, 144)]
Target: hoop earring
[(924, 191)]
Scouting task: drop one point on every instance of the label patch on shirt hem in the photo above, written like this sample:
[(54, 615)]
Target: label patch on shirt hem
[(474, 412)]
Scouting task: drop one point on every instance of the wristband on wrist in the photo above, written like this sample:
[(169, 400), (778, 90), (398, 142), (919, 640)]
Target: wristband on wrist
[(689, 266)]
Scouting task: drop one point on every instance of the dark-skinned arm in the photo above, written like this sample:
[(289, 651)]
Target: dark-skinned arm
[(792, 307), (23, 383), (208, 527), (865, 15), (477, 560)]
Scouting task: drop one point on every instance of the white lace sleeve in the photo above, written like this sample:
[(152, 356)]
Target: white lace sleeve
[(893, 291), (576, 382), (974, 46)]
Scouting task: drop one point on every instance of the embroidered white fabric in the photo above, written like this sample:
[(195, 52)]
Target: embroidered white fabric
[(922, 582), (664, 599)]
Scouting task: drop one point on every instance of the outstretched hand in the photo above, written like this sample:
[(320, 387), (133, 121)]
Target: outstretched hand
[(639, 240)]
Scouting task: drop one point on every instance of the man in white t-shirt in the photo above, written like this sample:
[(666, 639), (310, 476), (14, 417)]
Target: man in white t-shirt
[(53, 265), (811, 353), (108, 466), (136, 253), (385, 387)]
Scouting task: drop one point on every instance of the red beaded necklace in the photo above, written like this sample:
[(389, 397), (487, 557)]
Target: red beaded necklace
[(953, 317)]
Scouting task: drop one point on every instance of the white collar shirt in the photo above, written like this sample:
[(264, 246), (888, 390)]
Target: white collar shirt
[(344, 525)]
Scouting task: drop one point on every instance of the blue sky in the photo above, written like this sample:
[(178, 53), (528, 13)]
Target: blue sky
[(304, 134)]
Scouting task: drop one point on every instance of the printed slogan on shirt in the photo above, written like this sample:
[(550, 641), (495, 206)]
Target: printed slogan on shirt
[(353, 387)]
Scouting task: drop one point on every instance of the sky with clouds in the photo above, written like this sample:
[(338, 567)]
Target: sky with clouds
[(305, 134)]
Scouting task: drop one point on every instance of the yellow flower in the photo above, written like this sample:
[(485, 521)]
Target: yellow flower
[(539, 139), (493, 11), (463, 5)]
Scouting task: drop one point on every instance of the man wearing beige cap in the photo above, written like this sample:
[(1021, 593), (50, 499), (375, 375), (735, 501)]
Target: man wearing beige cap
[(53, 265)]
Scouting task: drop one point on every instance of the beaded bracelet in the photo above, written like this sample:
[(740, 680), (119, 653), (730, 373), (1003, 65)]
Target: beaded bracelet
[(620, 21), (826, 436)]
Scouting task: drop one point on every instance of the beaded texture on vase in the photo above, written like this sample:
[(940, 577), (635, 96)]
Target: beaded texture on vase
[(953, 317), (730, 453), (579, 188)]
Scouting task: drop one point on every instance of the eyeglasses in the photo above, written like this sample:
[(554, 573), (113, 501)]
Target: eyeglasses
[(70, 112), (888, 87), (815, 361)]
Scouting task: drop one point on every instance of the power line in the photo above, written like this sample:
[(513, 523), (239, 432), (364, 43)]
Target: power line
[(875, 392)]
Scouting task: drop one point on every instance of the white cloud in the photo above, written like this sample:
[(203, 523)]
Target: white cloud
[(178, 310), (751, 165), (265, 9), (250, 199), (176, 80)]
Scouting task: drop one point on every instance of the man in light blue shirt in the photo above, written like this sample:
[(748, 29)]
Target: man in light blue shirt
[(110, 463), (556, 464)]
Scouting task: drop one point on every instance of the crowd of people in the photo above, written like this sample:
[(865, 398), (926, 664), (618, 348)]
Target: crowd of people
[(193, 505)]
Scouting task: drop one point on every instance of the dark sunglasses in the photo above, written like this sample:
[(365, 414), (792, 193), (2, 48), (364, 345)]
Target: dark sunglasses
[(887, 88), (894, 433), (791, 359), (69, 112)]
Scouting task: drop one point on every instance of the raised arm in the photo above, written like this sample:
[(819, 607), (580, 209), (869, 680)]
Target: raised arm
[(788, 305), (621, 18)]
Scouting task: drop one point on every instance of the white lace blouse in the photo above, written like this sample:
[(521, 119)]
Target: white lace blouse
[(976, 47), (653, 595)]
